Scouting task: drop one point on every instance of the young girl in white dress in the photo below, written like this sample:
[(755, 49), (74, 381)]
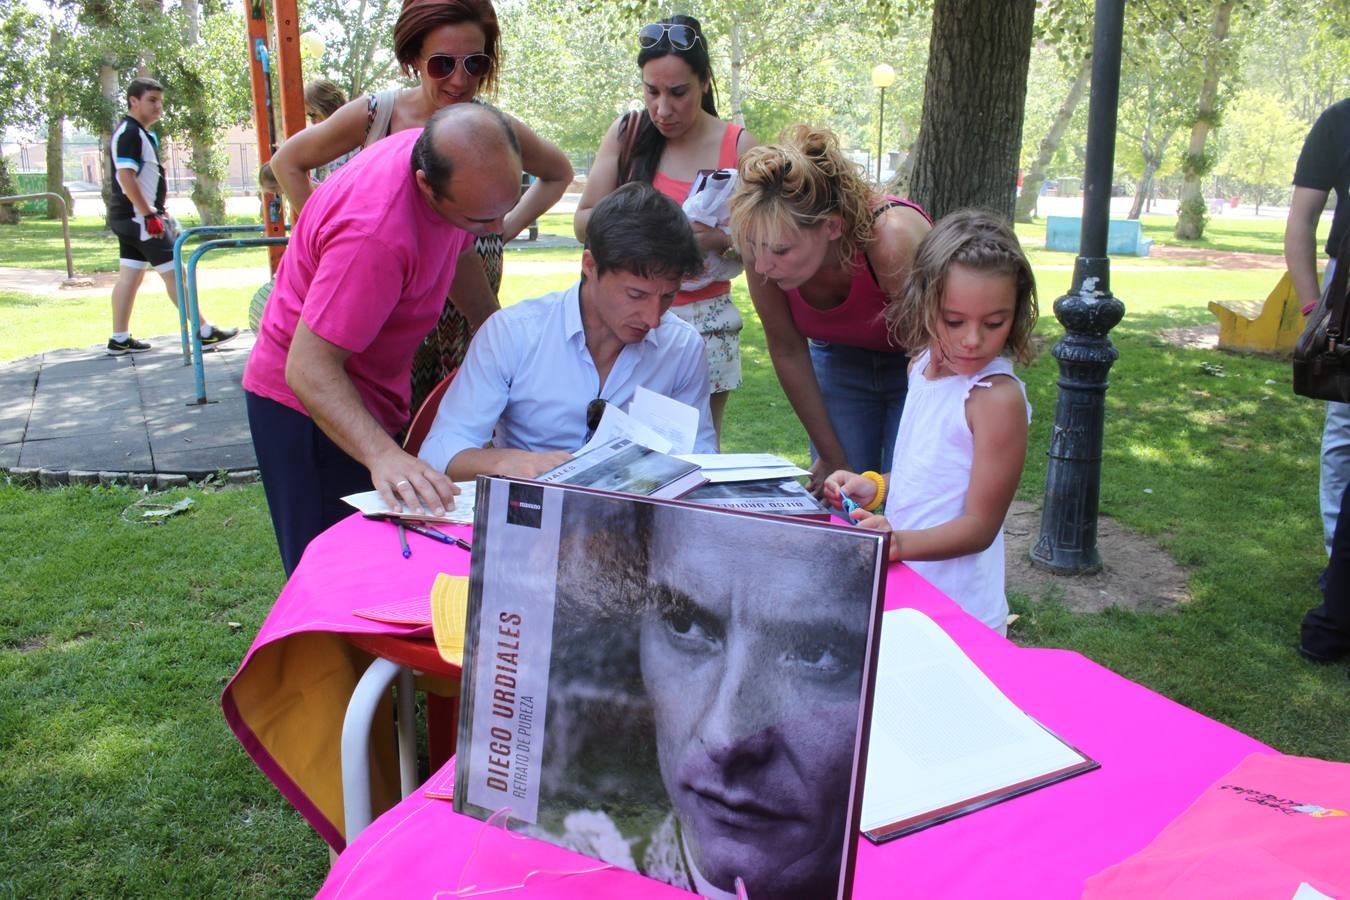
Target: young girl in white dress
[(969, 305)]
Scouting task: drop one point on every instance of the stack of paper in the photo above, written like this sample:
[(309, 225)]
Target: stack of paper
[(720, 467)]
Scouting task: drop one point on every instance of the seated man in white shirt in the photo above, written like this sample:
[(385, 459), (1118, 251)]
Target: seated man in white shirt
[(533, 368)]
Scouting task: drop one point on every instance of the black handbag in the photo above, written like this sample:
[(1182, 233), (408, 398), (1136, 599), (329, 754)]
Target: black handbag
[(1322, 353)]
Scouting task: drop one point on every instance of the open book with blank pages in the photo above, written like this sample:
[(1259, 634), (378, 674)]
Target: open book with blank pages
[(945, 741), (626, 467)]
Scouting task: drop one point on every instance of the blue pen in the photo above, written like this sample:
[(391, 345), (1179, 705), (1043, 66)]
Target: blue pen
[(439, 536), (403, 541), (849, 506)]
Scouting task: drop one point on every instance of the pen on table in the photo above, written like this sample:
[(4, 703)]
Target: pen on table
[(439, 536), (403, 540)]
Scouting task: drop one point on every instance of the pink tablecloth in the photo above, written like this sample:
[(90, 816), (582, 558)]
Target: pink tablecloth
[(1156, 756), (286, 702)]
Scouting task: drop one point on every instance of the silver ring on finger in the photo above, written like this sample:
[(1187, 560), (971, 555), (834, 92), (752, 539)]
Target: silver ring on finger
[(401, 483)]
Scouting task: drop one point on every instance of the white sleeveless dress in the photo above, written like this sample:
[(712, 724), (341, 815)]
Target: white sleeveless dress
[(934, 451)]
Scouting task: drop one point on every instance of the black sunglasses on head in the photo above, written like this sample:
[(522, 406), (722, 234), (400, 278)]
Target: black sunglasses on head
[(442, 65), (595, 411), (682, 37)]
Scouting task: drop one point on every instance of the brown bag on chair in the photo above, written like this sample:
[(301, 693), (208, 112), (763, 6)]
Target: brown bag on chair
[(1322, 353)]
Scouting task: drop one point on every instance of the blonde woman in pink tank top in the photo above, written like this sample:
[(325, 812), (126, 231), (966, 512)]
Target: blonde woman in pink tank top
[(826, 254), (677, 136)]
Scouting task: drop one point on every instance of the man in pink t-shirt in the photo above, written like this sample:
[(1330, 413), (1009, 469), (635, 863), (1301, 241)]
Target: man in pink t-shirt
[(363, 280)]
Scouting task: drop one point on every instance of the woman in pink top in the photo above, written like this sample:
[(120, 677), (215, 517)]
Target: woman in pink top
[(452, 48), (677, 136), (825, 255)]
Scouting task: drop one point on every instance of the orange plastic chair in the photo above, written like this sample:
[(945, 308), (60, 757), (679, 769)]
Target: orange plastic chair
[(421, 420)]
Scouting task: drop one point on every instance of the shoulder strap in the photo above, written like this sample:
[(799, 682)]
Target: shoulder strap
[(1337, 300), (380, 114), (730, 138), (891, 203)]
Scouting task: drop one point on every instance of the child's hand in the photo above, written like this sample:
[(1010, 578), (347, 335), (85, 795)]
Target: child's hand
[(859, 489), (832, 484), (877, 522)]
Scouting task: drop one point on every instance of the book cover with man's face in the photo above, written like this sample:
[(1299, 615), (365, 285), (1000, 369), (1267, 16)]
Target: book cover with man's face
[(676, 690)]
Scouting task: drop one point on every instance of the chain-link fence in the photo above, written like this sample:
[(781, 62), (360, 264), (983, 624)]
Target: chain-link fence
[(83, 163)]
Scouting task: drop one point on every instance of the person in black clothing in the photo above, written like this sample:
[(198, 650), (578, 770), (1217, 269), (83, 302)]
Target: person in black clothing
[(1324, 167), (145, 232), (1325, 634)]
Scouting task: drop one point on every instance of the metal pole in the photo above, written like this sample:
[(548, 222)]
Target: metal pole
[(1068, 539), (881, 129), (65, 223), (194, 313)]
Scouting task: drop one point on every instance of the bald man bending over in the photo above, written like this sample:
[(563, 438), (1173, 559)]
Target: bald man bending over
[(363, 280)]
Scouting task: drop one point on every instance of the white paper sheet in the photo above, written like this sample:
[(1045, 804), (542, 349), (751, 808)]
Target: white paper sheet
[(722, 467), (615, 423), (372, 504), (675, 421)]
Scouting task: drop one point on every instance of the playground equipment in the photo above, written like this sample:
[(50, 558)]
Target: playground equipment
[(189, 315), (1261, 326), (290, 90), (285, 21)]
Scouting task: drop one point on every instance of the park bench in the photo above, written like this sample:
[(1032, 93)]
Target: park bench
[(1256, 326), (1123, 236)]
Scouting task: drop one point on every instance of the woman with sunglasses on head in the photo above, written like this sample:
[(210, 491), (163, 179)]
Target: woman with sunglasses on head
[(452, 47), (825, 254), (676, 137)]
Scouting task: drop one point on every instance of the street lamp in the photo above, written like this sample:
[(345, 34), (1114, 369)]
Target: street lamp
[(883, 76), (1068, 539), (312, 45)]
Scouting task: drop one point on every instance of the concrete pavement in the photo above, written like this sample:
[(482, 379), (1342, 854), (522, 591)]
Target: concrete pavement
[(76, 414)]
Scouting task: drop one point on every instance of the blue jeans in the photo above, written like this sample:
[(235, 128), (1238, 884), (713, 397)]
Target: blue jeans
[(1335, 466), (1335, 454), (864, 392)]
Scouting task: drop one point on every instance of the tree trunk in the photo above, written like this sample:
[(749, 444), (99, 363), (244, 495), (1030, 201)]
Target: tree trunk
[(974, 95), (1191, 210), (1154, 153), (107, 82), (737, 64), (1140, 191), (360, 44), (207, 166), (1031, 183), (9, 212), (206, 192), (56, 165)]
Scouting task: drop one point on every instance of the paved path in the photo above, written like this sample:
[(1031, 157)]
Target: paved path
[(81, 410)]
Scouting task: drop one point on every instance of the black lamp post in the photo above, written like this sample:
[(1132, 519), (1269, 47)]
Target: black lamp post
[(1068, 540)]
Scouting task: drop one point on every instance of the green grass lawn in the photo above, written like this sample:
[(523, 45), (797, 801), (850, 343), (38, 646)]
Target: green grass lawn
[(121, 777)]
